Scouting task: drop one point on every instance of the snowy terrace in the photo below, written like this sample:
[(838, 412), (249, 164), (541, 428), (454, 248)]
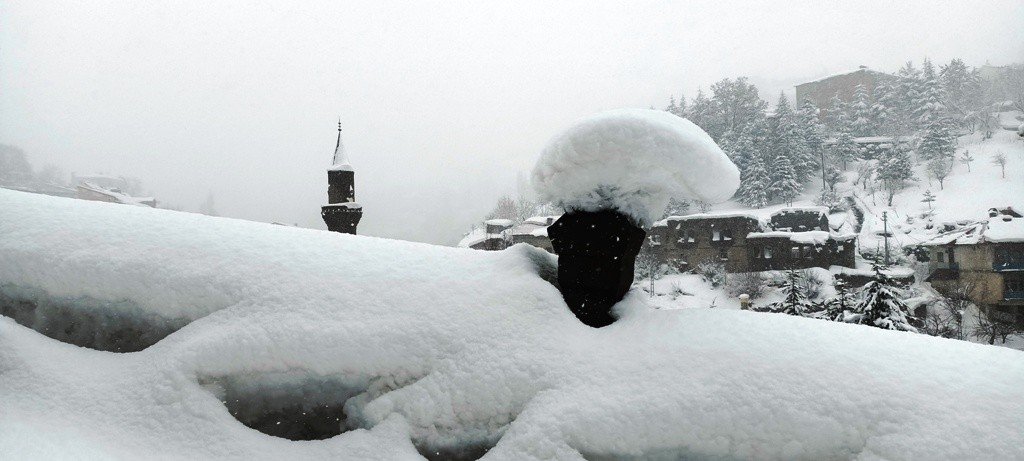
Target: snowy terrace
[(417, 351)]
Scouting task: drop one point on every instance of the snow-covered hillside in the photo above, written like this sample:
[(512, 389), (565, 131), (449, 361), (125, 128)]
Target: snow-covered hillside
[(440, 351)]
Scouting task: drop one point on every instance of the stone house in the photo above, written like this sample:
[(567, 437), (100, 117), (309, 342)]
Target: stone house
[(498, 234), (989, 257), (792, 238), (90, 191)]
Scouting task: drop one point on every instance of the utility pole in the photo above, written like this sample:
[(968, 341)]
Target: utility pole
[(885, 228)]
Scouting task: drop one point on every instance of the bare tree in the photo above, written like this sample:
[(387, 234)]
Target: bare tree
[(1000, 159), (939, 169), (647, 263), (990, 326), (947, 319)]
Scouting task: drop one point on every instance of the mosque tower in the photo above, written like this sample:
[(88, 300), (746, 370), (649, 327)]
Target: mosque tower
[(341, 213)]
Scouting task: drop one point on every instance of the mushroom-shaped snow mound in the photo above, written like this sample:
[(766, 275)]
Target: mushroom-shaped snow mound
[(633, 161)]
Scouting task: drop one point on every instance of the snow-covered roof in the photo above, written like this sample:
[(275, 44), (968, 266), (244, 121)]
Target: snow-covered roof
[(807, 237), (499, 222), (542, 220), (472, 238), (820, 210), (120, 197), (1004, 229), (860, 69), (340, 161), (473, 348), (352, 205), (997, 229), (709, 215)]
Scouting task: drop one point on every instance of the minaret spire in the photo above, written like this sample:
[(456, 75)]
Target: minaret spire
[(340, 161), (342, 213)]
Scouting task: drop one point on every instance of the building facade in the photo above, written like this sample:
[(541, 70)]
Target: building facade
[(821, 92), (792, 238), (987, 260)]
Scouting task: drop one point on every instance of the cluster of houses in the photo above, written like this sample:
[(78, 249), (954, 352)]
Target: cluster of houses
[(987, 256), (791, 238)]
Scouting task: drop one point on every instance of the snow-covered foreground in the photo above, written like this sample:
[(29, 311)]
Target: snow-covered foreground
[(435, 348)]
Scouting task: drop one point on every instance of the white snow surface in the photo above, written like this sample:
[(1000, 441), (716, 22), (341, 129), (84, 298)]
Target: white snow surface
[(634, 161), (464, 346), (1004, 229)]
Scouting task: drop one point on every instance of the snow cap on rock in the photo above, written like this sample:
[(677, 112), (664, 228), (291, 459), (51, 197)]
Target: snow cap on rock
[(633, 161)]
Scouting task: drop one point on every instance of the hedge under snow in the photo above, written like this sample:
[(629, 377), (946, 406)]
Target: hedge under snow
[(435, 349), (634, 161)]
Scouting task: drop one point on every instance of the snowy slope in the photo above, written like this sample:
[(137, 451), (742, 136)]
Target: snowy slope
[(447, 347)]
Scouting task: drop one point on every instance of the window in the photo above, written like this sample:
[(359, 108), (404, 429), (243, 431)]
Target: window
[(767, 252), (942, 257), (716, 235), (686, 236), (1013, 284), (655, 239), (806, 251), (726, 234), (794, 253), (723, 254)]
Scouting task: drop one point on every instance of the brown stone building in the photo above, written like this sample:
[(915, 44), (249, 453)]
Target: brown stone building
[(793, 238), (987, 257), (820, 92)]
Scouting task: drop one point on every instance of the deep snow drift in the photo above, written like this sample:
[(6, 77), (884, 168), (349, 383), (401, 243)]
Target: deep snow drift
[(634, 161), (445, 349)]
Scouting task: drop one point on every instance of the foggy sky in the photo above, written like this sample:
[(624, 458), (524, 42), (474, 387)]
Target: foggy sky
[(442, 103)]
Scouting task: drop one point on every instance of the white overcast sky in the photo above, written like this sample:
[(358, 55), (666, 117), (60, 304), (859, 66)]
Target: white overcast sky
[(443, 103)]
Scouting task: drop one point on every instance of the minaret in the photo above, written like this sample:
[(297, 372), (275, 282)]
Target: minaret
[(341, 213)]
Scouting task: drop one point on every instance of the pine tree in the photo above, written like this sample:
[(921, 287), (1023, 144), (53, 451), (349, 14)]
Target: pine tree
[(812, 132), (938, 142), (909, 91), (783, 184), (861, 112), (929, 197), (795, 302), (928, 108), (837, 118), (838, 307), (887, 113), (966, 159), (845, 149), (701, 112), (677, 108), (960, 90), (895, 170), (676, 207), (788, 140), (754, 186), (881, 305)]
